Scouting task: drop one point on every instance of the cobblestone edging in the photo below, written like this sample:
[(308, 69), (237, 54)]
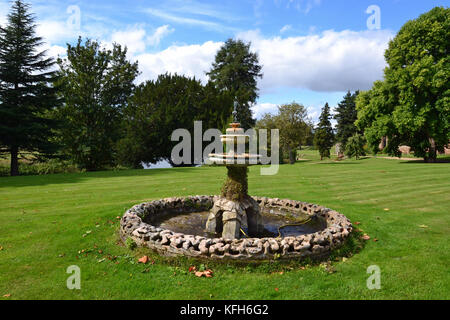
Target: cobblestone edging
[(136, 223)]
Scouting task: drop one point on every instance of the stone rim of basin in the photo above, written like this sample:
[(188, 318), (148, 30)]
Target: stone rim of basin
[(167, 242)]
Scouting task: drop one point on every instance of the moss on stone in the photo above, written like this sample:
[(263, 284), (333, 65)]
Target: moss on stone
[(235, 187)]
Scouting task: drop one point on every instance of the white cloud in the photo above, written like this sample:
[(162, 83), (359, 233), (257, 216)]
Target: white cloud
[(137, 40), (331, 61), (134, 39), (190, 60), (260, 109), (159, 33), (54, 31), (285, 28), (183, 20), (303, 6)]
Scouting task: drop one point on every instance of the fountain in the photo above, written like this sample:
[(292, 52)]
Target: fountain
[(213, 226), (228, 211)]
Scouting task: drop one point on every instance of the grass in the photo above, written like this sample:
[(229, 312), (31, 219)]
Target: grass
[(48, 223)]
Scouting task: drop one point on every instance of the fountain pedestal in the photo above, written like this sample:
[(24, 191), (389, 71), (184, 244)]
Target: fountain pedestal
[(234, 205)]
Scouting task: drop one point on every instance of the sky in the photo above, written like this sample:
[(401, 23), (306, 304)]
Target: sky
[(312, 51)]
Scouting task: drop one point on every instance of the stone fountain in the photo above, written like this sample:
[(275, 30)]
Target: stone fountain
[(277, 228), (234, 204)]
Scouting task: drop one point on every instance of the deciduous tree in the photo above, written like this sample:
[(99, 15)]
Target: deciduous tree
[(96, 84), (412, 104)]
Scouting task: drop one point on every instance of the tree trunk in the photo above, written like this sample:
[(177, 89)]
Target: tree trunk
[(14, 161), (292, 154), (432, 153)]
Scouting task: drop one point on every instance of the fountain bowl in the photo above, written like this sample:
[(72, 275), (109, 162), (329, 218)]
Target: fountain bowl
[(142, 222)]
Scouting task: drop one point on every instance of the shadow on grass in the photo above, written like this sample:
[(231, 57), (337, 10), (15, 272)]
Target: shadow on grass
[(63, 178)]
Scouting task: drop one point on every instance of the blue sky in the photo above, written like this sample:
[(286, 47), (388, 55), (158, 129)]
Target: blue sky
[(312, 51)]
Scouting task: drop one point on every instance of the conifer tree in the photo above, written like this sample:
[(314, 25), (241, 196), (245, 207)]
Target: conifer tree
[(26, 90), (324, 136)]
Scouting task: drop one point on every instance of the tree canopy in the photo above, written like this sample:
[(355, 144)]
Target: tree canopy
[(294, 125), (96, 84), (412, 104), (236, 69), (159, 107), (26, 90)]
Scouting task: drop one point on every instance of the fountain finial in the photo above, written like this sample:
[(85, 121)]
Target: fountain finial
[(235, 113)]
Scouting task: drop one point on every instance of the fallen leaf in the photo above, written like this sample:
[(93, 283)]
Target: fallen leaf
[(7, 295), (118, 217), (423, 226), (192, 268), (276, 289), (357, 223), (375, 239), (344, 259), (143, 260), (366, 237), (1, 248), (386, 209), (281, 273), (207, 273)]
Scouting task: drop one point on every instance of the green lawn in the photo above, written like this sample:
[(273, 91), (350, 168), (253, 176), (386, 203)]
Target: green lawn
[(405, 205)]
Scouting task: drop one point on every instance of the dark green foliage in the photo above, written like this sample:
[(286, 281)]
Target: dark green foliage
[(412, 105), (237, 70), (324, 136), (26, 91), (96, 84), (235, 187), (159, 107), (355, 146), (346, 116)]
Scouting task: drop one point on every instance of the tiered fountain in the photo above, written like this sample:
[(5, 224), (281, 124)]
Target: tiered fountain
[(235, 204), (275, 228)]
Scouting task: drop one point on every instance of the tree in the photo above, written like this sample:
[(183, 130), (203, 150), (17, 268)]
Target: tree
[(96, 84), (355, 146), (294, 125), (324, 136), (346, 116), (159, 107), (411, 105), (26, 91), (237, 70)]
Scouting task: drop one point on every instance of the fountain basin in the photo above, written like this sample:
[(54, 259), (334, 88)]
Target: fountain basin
[(144, 223)]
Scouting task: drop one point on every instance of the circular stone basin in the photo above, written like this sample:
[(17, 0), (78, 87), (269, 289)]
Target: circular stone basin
[(288, 226), (175, 226)]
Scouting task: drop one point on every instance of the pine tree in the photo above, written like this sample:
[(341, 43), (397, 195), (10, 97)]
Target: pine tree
[(324, 136), (236, 70), (346, 116), (26, 91)]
